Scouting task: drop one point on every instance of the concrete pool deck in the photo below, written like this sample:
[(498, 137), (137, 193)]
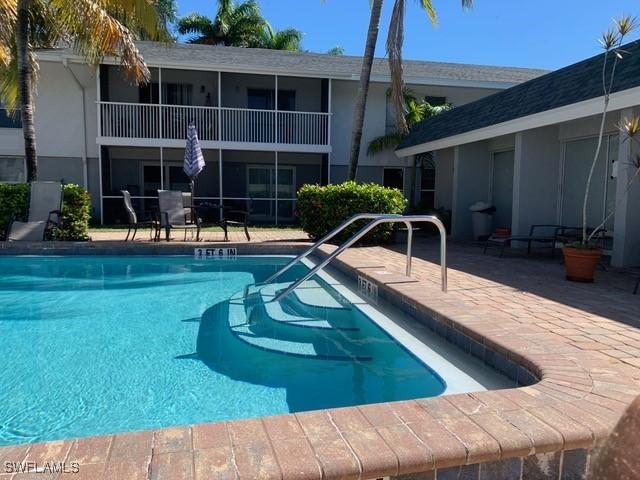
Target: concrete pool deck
[(517, 313)]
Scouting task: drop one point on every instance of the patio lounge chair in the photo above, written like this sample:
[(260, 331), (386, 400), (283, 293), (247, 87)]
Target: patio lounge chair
[(133, 218), (44, 196), (174, 214), (549, 235), (545, 234)]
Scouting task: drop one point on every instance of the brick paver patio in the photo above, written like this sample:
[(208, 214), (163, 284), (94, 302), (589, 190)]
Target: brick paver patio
[(236, 235), (581, 341)]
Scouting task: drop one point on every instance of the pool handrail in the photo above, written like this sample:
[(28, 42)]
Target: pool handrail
[(408, 220), (322, 241)]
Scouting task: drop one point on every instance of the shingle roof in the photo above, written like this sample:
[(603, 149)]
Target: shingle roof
[(322, 65), (575, 83)]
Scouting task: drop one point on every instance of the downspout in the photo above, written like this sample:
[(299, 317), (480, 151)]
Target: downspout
[(85, 173)]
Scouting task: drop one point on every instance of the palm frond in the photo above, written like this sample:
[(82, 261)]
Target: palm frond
[(431, 12), (197, 25), (97, 34), (385, 142), (288, 39), (395, 40), (9, 93)]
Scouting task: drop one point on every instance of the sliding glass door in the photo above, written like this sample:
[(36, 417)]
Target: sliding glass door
[(578, 157), (262, 191)]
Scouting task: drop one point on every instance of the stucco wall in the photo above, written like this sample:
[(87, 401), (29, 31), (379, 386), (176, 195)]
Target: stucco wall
[(472, 170), (343, 102), (58, 114), (444, 178), (536, 169)]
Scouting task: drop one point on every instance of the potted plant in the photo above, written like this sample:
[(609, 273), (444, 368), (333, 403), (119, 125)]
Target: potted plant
[(581, 257)]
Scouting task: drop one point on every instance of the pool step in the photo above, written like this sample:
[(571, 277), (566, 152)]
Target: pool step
[(295, 317), (262, 336)]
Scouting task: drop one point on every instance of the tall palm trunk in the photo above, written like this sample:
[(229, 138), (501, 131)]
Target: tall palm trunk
[(363, 89), (25, 79)]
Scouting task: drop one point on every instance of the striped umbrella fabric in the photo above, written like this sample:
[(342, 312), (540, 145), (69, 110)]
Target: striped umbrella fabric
[(193, 158)]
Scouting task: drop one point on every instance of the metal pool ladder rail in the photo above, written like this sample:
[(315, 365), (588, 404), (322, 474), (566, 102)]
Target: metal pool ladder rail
[(375, 220)]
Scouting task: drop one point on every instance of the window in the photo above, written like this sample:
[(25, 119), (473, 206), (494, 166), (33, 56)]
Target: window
[(435, 101), (8, 121), (177, 94), (427, 182), (172, 93), (148, 93), (12, 169), (393, 178), (263, 99)]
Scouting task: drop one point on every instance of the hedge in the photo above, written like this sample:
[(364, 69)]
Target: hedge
[(322, 208), (76, 210)]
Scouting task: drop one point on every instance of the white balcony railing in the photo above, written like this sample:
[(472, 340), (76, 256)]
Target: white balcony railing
[(149, 121)]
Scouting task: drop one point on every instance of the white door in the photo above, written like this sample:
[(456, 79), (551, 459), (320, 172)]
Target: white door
[(502, 188)]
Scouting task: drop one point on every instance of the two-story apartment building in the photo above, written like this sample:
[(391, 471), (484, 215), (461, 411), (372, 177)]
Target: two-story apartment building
[(268, 122)]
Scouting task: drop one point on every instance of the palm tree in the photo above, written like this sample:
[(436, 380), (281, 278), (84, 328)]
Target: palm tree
[(363, 88), (288, 39), (395, 41), (237, 25), (92, 28), (415, 111)]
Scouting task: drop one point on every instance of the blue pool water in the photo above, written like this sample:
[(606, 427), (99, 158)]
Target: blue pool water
[(95, 345)]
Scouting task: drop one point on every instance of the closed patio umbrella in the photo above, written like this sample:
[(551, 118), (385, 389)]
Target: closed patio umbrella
[(193, 158)]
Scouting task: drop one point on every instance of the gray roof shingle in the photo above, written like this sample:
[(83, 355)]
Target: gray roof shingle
[(321, 65), (575, 83)]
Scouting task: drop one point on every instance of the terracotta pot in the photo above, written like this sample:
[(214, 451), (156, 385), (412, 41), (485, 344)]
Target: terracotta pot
[(580, 263)]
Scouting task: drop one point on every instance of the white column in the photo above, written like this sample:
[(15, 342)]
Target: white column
[(160, 126), (161, 169), (329, 107), (99, 97), (626, 229), (219, 108), (275, 122), (220, 181), (276, 184)]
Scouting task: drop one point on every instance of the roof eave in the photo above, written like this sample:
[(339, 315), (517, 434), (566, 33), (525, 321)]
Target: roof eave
[(58, 55), (618, 100)]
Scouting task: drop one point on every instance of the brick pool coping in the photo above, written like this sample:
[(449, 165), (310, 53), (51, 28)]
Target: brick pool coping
[(533, 431)]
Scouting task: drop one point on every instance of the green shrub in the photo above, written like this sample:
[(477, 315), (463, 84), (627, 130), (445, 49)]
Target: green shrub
[(14, 200), (321, 209), (76, 207)]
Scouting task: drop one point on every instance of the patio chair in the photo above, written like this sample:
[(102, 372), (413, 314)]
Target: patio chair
[(545, 234), (225, 216), (173, 215), (236, 217), (44, 196), (549, 235), (134, 223)]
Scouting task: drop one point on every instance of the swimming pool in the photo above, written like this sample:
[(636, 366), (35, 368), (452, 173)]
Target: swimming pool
[(97, 345)]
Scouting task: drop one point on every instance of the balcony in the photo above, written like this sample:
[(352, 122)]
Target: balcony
[(138, 124)]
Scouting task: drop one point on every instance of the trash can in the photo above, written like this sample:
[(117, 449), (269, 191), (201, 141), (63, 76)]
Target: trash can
[(482, 219)]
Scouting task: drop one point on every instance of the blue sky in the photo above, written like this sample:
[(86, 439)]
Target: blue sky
[(534, 33)]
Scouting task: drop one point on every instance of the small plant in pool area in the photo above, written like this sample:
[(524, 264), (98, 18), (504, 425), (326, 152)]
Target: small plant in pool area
[(76, 209), (322, 208), (582, 257)]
